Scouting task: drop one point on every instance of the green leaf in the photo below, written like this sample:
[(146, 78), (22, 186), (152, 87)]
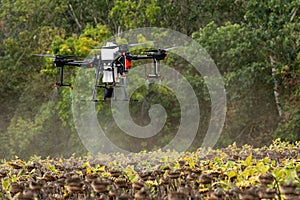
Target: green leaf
[(191, 163), (86, 164), (5, 184), (248, 160), (231, 174)]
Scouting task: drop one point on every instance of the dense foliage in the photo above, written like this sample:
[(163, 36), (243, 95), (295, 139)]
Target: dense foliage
[(255, 45)]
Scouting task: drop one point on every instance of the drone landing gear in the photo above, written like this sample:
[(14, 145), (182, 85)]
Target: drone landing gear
[(110, 93)]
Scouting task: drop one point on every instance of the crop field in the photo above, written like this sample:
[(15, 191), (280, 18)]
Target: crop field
[(270, 172)]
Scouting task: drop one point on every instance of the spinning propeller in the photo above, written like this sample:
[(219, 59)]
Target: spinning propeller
[(57, 56)]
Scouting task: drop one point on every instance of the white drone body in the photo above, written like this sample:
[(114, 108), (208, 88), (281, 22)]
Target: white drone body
[(108, 55)]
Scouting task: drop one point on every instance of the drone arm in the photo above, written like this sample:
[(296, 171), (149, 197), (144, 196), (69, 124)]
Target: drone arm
[(156, 56), (74, 63)]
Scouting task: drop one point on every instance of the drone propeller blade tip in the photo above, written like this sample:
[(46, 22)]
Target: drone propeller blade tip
[(44, 55), (170, 48)]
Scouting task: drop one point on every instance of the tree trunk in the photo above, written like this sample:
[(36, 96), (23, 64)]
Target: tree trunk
[(275, 88)]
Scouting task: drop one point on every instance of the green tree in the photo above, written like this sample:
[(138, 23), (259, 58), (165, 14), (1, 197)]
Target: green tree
[(28, 27), (278, 24), (247, 75), (126, 15), (254, 43), (185, 16)]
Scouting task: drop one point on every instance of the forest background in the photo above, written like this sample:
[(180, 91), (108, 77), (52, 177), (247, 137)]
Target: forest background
[(255, 45)]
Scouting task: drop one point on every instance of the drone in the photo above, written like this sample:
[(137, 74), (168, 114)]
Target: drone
[(113, 63)]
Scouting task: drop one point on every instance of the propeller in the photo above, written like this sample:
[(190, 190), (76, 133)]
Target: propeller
[(57, 56), (128, 45), (44, 55)]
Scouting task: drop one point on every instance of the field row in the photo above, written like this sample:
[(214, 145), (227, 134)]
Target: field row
[(271, 172)]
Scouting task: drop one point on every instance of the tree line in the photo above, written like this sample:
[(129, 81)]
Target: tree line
[(255, 45)]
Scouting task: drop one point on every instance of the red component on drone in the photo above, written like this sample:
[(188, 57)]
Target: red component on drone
[(128, 63)]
